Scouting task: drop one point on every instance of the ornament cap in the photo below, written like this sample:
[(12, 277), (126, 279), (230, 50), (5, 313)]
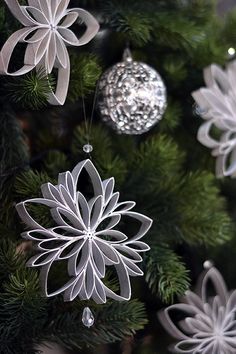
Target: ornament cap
[(127, 56)]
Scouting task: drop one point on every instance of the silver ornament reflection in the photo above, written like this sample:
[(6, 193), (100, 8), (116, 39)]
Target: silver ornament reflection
[(132, 96)]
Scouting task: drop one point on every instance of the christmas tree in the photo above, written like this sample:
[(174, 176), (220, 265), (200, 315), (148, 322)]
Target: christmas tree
[(166, 171)]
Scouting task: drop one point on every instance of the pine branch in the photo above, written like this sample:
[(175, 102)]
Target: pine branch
[(55, 162), (13, 148), (177, 33), (166, 274), (200, 11), (130, 21), (158, 159), (2, 17), (28, 184), (171, 118), (21, 305), (229, 26), (10, 260), (13, 157), (203, 217), (85, 72), (30, 91), (114, 321)]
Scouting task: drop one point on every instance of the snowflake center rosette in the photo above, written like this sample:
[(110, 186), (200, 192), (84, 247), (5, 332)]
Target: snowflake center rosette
[(209, 322), (86, 236), (47, 34)]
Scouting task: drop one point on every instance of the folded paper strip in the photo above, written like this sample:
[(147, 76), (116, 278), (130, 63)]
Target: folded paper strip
[(46, 35), (209, 324), (217, 102), (85, 236)]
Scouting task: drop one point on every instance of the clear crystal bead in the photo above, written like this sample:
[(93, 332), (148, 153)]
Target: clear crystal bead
[(87, 317), (208, 264), (199, 111), (87, 148)]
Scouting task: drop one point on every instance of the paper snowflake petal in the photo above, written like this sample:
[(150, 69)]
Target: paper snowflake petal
[(218, 104), (85, 236), (46, 35), (209, 322)]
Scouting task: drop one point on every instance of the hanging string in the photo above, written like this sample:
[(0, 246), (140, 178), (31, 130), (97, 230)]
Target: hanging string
[(88, 317), (88, 148), (93, 108), (85, 118)]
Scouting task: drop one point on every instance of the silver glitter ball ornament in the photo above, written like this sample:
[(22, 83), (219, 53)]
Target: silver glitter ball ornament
[(132, 96)]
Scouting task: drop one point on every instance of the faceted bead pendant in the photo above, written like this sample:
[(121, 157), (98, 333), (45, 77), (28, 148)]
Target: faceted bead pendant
[(87, 148), (87, 317)]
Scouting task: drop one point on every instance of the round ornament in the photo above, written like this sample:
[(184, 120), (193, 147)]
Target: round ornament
[(132, 96)]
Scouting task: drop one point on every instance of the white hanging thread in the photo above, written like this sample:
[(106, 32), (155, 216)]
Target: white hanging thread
[(88, 148)]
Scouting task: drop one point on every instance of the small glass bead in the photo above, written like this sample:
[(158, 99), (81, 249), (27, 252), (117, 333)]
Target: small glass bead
[(199, 111), (87, 148), (231, 52), (208, 264)]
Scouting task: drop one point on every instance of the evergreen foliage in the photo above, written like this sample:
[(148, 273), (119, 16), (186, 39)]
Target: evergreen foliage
[(30, 90), (84, 75), (173, 277), (166, 171)]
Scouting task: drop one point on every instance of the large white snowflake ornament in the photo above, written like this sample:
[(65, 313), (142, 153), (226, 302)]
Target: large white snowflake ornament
[(86, 236), (46, 34), (217, 103), (209, 322)]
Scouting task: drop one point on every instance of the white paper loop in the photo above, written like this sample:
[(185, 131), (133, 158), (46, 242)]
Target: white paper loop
[(218, 102), (86, 236), (46, 35)]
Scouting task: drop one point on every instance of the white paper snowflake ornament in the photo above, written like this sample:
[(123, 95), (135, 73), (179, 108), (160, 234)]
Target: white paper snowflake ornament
[(209, 324), (47, 34), (217, 102), (85, 236)]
